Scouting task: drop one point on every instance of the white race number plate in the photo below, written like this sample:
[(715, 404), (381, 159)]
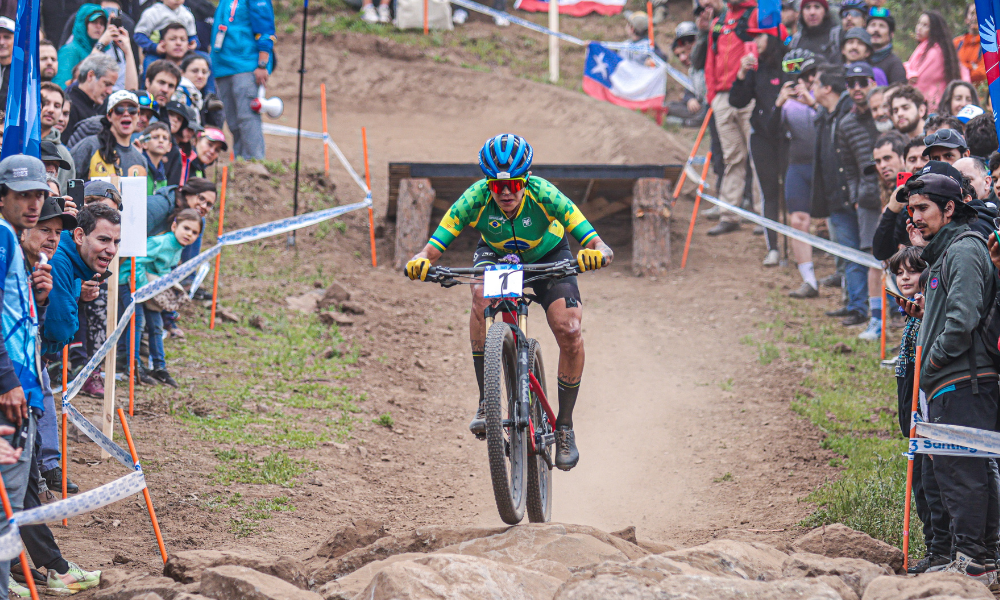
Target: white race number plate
[(503, 281)]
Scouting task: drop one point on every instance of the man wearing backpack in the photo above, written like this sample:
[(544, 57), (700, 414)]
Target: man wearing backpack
[(958, 373)]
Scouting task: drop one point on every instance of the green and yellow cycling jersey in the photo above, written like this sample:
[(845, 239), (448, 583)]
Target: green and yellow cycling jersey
[(544, 215)]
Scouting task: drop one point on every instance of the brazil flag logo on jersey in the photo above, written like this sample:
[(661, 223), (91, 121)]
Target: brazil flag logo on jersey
[(495, 224)]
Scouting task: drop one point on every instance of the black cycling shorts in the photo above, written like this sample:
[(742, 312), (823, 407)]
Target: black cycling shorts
[(548, 290)]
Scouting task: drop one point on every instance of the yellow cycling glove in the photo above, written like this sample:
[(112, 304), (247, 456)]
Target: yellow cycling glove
[(590, 260), (417, 268)]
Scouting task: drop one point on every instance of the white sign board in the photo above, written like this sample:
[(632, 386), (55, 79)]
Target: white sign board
[(503, 281), (133, 191)]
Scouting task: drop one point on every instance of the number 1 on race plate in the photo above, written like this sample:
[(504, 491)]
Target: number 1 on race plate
[(503, 281)]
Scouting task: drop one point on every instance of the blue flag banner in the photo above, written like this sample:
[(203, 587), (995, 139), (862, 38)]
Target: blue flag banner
[(987, 11), (768, 13), (22, 129)]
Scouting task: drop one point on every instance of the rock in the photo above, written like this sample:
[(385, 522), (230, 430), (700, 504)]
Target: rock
[(838, 584), (187, 566), (334, 296), (329, 318), (121, 558), (747, 560), (357, 534), (838, 540), (111, 577), (453, 577), (352, 307), (255, 168), (257, 322), (148, 596), (230, 582), (352, 584), (926, 585), (423, 539), (654, 547), (627, 534), (306, 303), (854, 572), (841, 348), (573, 546), (692, 587), (228, 315), (135, 586)]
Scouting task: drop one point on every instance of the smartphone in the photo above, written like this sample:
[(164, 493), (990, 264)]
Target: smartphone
[(896, 296), (116, 21), (100, 277), (20, 435), (74, 189), (903, 177)]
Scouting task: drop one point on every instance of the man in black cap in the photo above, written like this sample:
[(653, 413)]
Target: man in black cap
[(957, 374), (881, 27), (945, 145), (56, 163), (856, 137)]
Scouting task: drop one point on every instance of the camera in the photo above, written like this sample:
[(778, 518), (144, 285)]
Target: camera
[(116, 21)]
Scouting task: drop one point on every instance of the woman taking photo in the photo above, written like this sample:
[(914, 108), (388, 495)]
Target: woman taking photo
[(934, 62)]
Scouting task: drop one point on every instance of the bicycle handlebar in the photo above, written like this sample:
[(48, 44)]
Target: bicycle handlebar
[(444, 275)]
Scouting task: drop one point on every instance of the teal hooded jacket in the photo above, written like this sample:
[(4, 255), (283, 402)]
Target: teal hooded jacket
[(80, 46)]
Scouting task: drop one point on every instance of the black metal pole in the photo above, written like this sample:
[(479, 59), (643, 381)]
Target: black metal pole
[(298, 130)]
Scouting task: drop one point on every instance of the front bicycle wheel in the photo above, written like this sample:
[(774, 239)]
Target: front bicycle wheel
[(505, 441), (539, 463)]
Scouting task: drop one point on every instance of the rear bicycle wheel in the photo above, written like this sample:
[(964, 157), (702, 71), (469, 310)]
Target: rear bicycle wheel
[(506, 444), (539, 472)]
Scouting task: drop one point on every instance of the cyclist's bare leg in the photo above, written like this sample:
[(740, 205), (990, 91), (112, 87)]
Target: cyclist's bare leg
[(566, 325), (477, 337)]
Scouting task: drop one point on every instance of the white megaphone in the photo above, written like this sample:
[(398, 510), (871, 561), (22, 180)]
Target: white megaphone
[(272, 107)]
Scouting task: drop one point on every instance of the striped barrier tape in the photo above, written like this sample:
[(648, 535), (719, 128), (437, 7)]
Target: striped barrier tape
[(985, 443), (855, 256), (283, 131)]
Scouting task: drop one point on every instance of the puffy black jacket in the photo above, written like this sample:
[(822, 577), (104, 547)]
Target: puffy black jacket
[(856, 136), (829, 186)]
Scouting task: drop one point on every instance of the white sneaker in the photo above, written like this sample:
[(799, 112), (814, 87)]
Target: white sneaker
[(460, 16), (16, 589), (383, 13), (872, 332), (501, 21), (369, 14), (772, 259), (964, 565)]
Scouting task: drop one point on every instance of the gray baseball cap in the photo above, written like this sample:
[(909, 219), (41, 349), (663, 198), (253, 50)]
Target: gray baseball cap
[(23, 173)]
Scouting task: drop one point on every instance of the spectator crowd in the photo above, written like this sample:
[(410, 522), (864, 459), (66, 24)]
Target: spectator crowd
[(820, 122), (128, 88)]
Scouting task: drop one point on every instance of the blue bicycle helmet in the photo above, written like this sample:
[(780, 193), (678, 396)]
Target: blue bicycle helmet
[(505, 156)]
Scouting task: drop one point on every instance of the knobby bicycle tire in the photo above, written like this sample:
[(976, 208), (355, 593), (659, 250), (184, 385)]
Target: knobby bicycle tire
[(539, 501), (507, 447)]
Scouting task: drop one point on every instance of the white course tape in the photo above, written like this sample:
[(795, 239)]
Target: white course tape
[(94, 433), (74, 386), (284, 131), (10, 542), (174, 277), (855, 256), (199, 278), (929, 446), (258, 232), (84, 502), (979, 439)]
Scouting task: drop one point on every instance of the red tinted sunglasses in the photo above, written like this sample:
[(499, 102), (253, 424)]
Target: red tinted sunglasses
[(514, 185)]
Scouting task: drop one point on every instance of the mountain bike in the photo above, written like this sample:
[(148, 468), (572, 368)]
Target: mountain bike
[(520, 423)]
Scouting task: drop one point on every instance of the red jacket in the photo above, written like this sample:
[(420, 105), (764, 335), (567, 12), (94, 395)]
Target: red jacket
[(724, 57)]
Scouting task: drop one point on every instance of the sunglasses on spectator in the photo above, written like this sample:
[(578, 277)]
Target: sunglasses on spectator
[(879, 12), (793, 65), (147, 103), (121, 110), (514, 185), (857, 82)]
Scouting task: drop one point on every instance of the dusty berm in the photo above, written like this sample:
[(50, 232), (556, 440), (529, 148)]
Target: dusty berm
[(543, 562)]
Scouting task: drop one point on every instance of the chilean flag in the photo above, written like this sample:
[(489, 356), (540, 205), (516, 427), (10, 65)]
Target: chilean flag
[(608, 77), (574, 8), (987, 11)]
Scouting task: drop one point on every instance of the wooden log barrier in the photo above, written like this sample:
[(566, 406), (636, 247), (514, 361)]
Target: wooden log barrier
[(650, 227), (413, 217)]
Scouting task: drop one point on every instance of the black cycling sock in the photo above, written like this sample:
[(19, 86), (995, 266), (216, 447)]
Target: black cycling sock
[(479, 364), (59, 565), (567, 400)]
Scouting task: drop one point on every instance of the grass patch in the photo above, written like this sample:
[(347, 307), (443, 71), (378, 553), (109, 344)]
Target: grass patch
[(853, 400), (249, 522), (727, 477), (385, 420), (276, 468)]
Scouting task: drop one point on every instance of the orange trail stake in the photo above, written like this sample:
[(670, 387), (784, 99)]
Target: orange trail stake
[(131, 347), (25, 567), (65, 360), (885, 312), (145, 491), (694, 152), (326, 147), (649, 15), (425, 17), (909, 462), (218, 257), (697, 202), (368, 182)]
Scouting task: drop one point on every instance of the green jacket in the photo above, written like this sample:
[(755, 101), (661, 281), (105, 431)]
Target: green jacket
[(80, 47), (953, 308), (163, 253)]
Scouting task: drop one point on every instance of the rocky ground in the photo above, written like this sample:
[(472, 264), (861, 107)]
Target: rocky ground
[(542, 562)]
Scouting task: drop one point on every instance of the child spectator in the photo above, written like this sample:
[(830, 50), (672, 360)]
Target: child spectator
[(163, 253), (155, 147), (210, 143), (158, 16), (957, 96), (174, 43)]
